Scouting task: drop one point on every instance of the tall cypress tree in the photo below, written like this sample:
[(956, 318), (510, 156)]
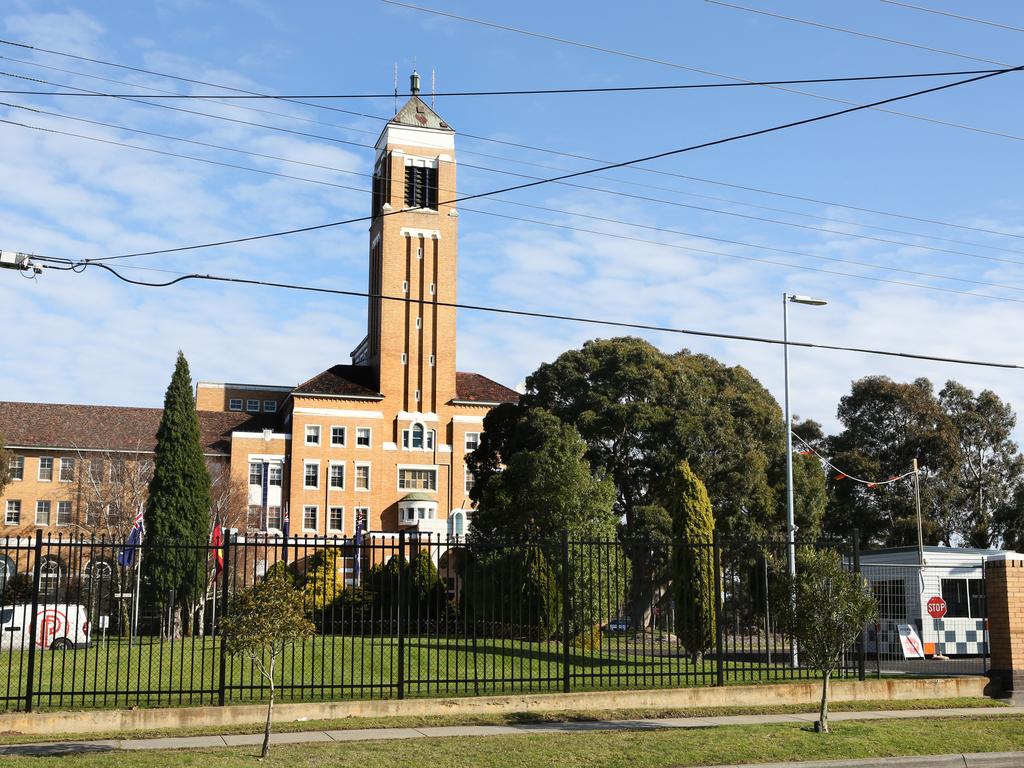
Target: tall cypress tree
[(178, 509), (693, 527)]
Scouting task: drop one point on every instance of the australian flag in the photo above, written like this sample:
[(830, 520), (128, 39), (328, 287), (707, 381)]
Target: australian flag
[(126, 556)]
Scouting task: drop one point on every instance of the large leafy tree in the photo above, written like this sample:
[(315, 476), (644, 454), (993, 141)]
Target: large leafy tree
[(887, 425), (989, 469), (178, 507)]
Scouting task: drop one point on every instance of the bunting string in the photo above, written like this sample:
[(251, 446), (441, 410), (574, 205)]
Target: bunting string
[(840, 474)]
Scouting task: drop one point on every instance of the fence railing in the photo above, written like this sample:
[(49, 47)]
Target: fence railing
[(396, 616)]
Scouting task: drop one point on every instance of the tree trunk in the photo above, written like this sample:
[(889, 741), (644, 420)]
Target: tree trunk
[(823, 714), (270, 713)]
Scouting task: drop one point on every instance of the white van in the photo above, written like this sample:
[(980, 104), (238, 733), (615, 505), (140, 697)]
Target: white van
[(58, 627)]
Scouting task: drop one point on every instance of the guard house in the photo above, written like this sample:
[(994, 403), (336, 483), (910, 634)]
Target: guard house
[(903, 587)]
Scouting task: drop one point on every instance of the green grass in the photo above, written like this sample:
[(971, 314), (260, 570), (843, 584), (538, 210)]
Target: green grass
[(510, 718), (339, 667), (616, 749)]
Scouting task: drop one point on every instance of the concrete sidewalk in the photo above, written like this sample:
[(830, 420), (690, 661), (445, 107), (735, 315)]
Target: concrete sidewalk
[(384, 734)]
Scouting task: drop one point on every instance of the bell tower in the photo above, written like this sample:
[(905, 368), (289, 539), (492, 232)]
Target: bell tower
[(413, 247)]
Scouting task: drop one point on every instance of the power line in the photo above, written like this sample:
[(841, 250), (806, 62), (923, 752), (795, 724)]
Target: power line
[(856, 33), (526, 92), (536, 315), (571, 155), (625, 163), (638, 57), (846, 475), (937, 12)]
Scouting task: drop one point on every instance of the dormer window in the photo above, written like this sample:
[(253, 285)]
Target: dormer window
[(420, 184)]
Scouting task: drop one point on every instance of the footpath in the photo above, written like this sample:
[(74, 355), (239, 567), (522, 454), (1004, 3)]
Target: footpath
[(984, 760)]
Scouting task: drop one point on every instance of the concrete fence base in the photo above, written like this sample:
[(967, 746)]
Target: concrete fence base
[(97, 721)]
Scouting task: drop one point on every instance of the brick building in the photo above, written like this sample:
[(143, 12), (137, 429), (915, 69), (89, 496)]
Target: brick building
[(381, 440)]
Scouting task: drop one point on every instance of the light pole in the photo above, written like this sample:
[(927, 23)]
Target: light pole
[(790, 524)]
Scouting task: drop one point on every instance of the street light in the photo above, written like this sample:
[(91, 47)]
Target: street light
[(790, 524)]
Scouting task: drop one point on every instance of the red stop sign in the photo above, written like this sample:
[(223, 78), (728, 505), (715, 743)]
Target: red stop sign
[(936, 607)]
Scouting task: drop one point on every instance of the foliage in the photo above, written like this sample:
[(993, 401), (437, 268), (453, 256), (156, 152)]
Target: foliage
[(261, 621), (824, 608), (513, 592), (423, 593), (282, 570), (17, 589), (322, 583), (5, 464), (648, 543), (693, 577), (178, 508)]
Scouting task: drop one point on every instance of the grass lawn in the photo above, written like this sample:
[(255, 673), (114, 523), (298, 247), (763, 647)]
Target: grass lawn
[(625, 749), (511, 718), (187, 671)]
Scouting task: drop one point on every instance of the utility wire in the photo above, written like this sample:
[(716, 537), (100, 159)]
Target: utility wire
[(526, 313), (856, 33), (937, 12), (637, 57), (625, 163), (843, 475), (575, 156), (526, 92)]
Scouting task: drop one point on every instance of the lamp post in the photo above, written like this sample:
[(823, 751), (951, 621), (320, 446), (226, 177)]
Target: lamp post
[(790, 524)]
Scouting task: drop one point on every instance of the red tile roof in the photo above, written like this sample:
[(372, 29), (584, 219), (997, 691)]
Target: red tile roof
[(341, 380), (111, 428), (472, 387)]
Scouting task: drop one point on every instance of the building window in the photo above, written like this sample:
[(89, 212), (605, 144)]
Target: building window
[(338, 437), (254, 518), (405, 358), (13, 516), (67, 470), (45, 468), (433, 289), (270, 406), (417, 479), (337, 480), (116, 470), (63, 513), (42, 513), (235, 404), (255, 473), (965, 598), (362, 477), (420, 185), (275, 474), (311, 476), (309, 517), (361, 519), (96, 470), (470, 481), (252, 406), (419, 323), (418, 438), (472, 441), (430, 361), (312, 434), (17, 467), (362, 437), (274, 520), (405, 286), (336, 518), (416, 396), (94, 514), (458, 523)]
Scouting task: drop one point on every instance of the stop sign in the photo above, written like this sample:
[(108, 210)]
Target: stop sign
[(936, 607)]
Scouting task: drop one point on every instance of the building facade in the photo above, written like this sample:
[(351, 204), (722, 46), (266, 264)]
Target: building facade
[(379, 443)]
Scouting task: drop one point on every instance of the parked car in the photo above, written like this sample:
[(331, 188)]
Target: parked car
[(59, 627), (619, 624)]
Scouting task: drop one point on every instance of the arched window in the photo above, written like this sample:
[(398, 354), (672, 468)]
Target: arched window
[(417, 436), (49, 576), (458, 523), (99, 569)]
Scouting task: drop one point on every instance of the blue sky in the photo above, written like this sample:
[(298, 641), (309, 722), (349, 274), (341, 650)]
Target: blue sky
[(88, 339)]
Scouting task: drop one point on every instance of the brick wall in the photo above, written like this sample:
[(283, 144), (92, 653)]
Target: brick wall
[(1004, 584)]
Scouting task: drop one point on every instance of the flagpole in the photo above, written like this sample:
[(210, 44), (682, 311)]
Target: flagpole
[(135, 597)]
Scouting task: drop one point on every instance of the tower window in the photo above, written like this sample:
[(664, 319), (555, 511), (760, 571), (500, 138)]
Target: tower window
[(420, 187), (405, 286)]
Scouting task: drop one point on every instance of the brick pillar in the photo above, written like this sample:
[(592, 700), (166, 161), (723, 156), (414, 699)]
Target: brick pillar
[(1004, 586)]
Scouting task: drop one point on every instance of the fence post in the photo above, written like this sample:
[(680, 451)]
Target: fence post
[(402, 565), (565, 611), (222, 690), (861, 650), (716, 552), (30, 679)]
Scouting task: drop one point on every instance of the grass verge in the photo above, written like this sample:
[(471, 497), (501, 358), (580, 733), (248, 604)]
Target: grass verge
[(512, 718)]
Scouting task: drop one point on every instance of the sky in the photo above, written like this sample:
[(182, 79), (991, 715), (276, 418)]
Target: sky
[(949, 165)]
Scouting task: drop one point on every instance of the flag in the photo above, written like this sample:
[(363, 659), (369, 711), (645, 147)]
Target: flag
[(126, 556), (358, 543), (840, 476), (216, 541)]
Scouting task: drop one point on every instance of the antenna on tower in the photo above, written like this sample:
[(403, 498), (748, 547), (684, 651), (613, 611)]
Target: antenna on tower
[(396, 87), (433, 87)]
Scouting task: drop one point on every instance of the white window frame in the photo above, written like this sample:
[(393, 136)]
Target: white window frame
[(316, 511), (313, 430), (270, 406), (344, 436), (420, 467), (330, 511), (457, 514), (258, 465), (466, 441), (249, 405), (39, 474), (330, 476), (16, 467), (369, 476), (369, 437), (13, 505), (49, 512), (465, 481), (280, 514), (232, 406), (275, 465), (66, 462), (355, 518), (70, 513), (306, 464)]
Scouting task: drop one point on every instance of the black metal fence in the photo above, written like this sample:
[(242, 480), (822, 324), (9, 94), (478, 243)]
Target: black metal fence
[(399, 615)]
